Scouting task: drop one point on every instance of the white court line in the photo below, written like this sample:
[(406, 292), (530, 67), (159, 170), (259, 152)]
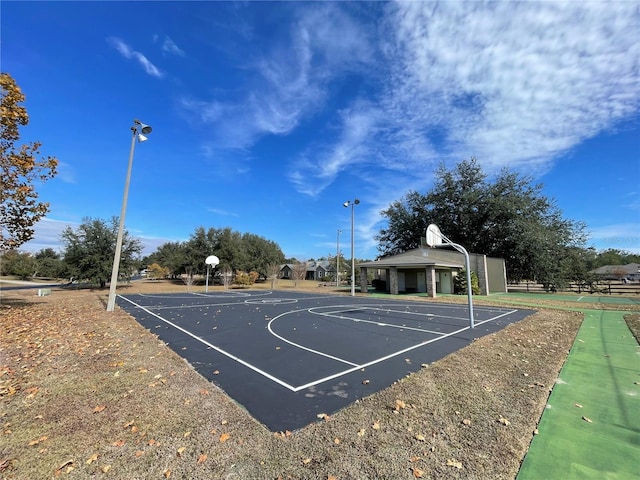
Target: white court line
[(232, 294), (302, 347), (373, 322), (217, 349), (365, 307), (320, 380), (395, 354), (182, 307)]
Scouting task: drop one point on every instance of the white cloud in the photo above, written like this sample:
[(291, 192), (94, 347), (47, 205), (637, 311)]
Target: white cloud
[(66, 173), (219, 211), (47, 235), (317, 168), (289, 83), (127, 52), (621, 236), (518, 83), (48, 232), (169, 46), (514, 84)]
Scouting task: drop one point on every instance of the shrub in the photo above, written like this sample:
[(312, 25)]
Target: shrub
[(460, 283)]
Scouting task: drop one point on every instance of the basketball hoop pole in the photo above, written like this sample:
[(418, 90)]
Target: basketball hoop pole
[(467, 263)]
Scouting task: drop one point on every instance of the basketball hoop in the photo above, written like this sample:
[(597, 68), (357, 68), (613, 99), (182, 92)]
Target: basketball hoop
[(211, 260)]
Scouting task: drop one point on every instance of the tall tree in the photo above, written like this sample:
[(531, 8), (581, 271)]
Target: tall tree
[(261, 253), (172, 255), (20, 168), (50, 263), (508, 218), (245, 252), (89, 250)]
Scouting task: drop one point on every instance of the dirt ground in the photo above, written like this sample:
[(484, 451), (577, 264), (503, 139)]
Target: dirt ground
[(86, 393)]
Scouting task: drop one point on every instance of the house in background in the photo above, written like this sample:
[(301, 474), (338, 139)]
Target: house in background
[(316, 270), (432, 271), (629, 272)]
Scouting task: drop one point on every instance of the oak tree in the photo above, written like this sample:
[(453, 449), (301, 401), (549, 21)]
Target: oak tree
[(507, 216), (20, 169), (89, 250)]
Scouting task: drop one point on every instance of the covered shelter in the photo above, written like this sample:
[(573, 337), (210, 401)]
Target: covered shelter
[(432, 271)]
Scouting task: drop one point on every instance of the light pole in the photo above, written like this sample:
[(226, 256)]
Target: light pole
[(353, 257), (338, 260), (139, 130)]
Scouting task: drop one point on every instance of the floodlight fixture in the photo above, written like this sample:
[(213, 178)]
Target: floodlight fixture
[(144, 128)]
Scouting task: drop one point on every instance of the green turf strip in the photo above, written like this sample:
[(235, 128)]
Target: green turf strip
[(602, 375), (584, 298)]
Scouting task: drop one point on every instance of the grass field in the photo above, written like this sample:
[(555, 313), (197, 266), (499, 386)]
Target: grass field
[(87, 393)]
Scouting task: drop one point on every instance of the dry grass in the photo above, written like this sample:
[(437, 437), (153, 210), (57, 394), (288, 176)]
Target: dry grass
[(86, 393)]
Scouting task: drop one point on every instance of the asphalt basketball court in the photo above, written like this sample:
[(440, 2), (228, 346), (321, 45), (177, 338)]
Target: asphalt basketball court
[(288, 356)]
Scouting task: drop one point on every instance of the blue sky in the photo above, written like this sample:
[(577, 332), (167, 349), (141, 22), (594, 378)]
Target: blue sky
[(268, 116)]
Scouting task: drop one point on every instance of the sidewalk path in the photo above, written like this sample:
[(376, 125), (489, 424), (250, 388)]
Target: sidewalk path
[(591, 426)]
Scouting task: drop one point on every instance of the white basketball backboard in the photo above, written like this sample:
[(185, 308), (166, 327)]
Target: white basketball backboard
[(212, 260), (434, 236)]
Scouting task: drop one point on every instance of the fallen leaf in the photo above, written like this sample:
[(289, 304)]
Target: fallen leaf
[(36, 442), (92, 459), (202, 458), (454, 463), (417, 473), (65, 466), (224, 437)]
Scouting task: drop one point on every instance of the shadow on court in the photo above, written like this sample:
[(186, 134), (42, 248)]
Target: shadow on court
[(287, 356)]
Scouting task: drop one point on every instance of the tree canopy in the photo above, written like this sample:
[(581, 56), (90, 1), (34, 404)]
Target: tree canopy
[(19, 170), (236, 251), (89, 250), (508, 217)]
